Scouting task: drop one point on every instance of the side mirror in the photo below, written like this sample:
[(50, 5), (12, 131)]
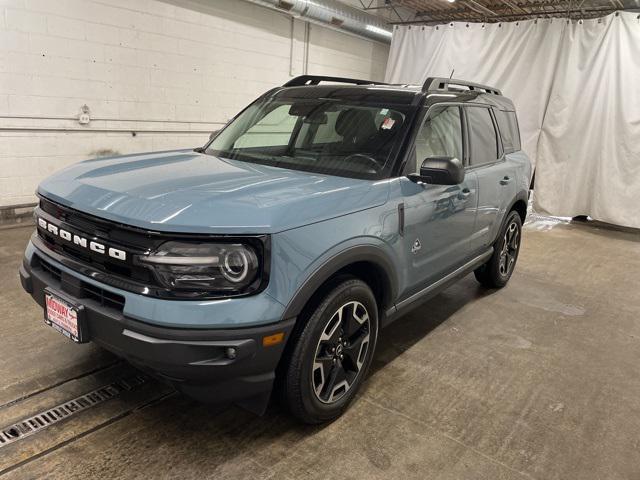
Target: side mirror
[(440, 171)]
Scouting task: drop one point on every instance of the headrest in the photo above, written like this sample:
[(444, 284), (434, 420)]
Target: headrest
[(355, 122)]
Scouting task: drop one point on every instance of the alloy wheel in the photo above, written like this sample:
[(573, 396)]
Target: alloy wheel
[(509, 250), (341, 352)]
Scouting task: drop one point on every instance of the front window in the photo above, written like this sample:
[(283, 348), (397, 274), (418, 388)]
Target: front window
[(440, 136), (317, 135)]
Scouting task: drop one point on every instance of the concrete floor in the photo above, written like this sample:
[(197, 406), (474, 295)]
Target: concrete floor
[(538, 380)]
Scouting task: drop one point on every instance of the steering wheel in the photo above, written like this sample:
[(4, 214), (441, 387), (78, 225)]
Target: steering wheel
[(363, 159)]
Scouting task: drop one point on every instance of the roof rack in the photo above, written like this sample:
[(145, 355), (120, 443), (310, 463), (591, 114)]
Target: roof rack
[(303, 80), (446, 84)]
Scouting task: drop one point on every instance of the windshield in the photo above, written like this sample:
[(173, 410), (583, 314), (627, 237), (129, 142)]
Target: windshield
[(318, 135)]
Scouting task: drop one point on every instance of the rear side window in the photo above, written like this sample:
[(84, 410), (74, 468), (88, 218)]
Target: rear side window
[(509, 131), (482, 136)]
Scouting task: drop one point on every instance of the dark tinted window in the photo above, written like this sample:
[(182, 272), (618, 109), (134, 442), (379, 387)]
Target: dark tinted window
[(440, 135), (508, 125), (482, 136)]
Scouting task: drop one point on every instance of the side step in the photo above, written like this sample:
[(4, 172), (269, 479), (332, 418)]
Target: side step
[(433, 289)]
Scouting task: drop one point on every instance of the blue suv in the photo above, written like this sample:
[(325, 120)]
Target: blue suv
[(274, 255)]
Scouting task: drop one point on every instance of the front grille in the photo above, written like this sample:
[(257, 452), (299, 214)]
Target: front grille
[(55, 272), (84, 290), (104, 297), (130, 271), (133, 241)]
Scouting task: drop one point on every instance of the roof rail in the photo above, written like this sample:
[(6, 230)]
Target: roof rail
[(438, 83), (303, 80)]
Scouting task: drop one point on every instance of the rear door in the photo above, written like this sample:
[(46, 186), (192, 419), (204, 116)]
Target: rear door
[(496, 177)]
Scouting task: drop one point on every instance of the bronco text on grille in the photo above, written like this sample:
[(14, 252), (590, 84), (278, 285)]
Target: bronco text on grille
[(81, 241)]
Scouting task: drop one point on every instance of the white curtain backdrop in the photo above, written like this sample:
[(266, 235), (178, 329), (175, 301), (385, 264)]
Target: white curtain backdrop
[(576, 87)]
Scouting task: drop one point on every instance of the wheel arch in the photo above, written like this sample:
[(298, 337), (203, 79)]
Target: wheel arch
[(366, 262), (520, 205)]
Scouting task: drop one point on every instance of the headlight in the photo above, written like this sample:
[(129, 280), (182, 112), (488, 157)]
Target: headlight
[(193, 269)]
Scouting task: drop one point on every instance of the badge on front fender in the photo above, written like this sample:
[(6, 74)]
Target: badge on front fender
[(416, 246)]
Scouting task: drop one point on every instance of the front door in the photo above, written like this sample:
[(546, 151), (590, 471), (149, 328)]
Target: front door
[(439, 219)]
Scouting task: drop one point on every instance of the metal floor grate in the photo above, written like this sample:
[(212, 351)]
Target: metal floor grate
[(42, 420)]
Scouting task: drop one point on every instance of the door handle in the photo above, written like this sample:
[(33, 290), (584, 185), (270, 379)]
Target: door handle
[(505, 180), (464, 194)]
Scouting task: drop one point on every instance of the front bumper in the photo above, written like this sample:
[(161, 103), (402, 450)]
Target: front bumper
[(197, 362)]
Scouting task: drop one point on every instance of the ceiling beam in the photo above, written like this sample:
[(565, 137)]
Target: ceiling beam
[(501, 16), (513, 6), (429, 12), (478, 7)]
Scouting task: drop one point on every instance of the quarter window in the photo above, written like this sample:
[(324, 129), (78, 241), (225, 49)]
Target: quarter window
[(508, 125), (482, 136), (440, 135)]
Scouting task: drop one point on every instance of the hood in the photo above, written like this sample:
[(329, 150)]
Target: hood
[(185, 191)]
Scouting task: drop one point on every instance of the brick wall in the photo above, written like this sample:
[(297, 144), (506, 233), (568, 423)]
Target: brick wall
[(155, 75)]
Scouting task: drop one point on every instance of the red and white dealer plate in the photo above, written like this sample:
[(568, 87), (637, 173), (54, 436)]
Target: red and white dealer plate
[(62, 316)]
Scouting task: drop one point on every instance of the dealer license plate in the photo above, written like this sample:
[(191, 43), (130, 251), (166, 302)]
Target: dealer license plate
[(62, 316)]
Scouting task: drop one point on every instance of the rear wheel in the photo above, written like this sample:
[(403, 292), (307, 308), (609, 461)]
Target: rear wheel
[(332, 354), (498, 269)]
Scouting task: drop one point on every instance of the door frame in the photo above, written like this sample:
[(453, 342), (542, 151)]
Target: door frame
[(501, 155), (422, 115)]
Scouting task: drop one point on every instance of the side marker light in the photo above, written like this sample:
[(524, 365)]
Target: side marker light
[(272, 340)]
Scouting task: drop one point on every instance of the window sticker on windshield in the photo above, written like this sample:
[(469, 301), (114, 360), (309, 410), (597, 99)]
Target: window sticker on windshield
[(388, 123), (384, 111)]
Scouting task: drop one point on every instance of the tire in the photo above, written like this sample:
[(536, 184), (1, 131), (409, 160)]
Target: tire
[(319, 383), (499, 268)]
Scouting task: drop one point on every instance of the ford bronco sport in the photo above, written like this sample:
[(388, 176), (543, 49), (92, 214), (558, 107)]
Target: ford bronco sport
[(275, 254)]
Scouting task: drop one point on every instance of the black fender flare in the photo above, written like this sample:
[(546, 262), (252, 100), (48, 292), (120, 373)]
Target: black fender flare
[(523, 196), (348, 256), (520, 196)]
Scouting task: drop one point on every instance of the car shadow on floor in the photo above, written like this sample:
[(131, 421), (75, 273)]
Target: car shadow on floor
[(410, 329), (413, 327)]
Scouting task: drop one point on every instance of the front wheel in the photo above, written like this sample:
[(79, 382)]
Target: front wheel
[(498, 269), (332, 354)]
